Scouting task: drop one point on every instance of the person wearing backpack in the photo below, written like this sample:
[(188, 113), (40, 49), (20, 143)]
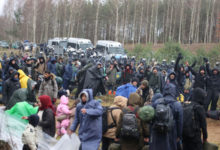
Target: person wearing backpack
[(192, 132), (166, 129), (131, 131), (113, 117)]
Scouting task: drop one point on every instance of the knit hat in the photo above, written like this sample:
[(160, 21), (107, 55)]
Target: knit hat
[(33, 120), (145, 83), (146, 113)]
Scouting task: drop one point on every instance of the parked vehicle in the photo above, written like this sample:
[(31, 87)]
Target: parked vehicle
[(110, 49), (79, 43), (4, 44), (17, 45)]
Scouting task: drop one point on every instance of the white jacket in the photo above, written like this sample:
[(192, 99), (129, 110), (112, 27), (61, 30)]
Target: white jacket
[(29, 137)]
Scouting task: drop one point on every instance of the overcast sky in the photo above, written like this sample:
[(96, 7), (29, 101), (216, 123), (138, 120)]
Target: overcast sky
[(2, 2)]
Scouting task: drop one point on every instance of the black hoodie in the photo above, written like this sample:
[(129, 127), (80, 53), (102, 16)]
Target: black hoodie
[(200, 80)]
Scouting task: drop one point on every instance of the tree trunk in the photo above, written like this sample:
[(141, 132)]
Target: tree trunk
[(151, 22), (207, 22), (147, 21), (140, 28), (198, 22), (125, 22), (191, 32), (116, 21), (212, 21), (156, 23), (181, 20), (34, 21), (133, 27), (96, 22)]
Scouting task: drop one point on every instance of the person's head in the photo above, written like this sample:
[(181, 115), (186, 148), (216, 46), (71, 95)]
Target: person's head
[(187, 74), (215, 71), (112, 65), (45, 103), (186, 91), (155, 70), (84, 97), (144, 84), (16, 76), (127, 67), (202, 70), (141, 70), (172, 76), (28, 61), (134, 82), (33, 120), (47, 74), (60, 60), (98, 65), (13, 62), (164, 72)]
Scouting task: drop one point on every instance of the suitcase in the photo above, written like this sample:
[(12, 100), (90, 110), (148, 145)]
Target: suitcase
[(209, 146)]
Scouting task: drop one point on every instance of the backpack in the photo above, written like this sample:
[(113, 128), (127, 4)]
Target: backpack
[(189, 120), (129, 127), (164, 118), (105, 125)]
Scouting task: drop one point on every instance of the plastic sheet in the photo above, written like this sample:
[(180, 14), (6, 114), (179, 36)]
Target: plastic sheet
[(70, 143), (11, 130)]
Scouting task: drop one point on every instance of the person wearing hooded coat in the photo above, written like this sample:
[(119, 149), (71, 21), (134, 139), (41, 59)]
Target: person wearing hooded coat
[(109, 137), (10, 85), (94, 79), (200, 77), (213, 87), (195, 143), (81, 75), (127, 74), (47, 121), (12, 63), (51, 66), (23, 94), (49, 86), (68, 74), (134, 101), (169, 140), (23, 79), (89, 116), (41, 66)]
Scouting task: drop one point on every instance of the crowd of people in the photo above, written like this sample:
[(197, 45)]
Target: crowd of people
[(156, 105)]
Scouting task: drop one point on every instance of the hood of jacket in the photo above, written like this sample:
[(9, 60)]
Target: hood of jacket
[(171, 74), (13, 74), (120, 101), (170, 91), (64, 100), (134, 100), (88, 93), (21, 74), (199, 96)]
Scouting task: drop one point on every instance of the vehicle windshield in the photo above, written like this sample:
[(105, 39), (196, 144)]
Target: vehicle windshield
[(63, 44), (116, 50), (4, 43), (85, 46)]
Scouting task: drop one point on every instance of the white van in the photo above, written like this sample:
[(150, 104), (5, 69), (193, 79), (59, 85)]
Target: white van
[(79, 43), (53, 42), (110, 49)]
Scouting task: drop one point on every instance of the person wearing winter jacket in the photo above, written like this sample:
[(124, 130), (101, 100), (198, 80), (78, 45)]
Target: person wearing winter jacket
[(111, 74), (48, 116), (130, 143), (89, 117), (68, 73), (63, 111), (23, 79), (41, 66), (145, 92), (127, 74), (28, 68), (49, 86), (109, 137), (200, 77), (195, 143), (213, 87), (168, 141), (60, 67), (12, 63), (29, 136), (51, 66), (10, 85), (154, 81)]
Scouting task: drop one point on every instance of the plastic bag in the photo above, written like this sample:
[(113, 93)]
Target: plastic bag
[(70, 143)]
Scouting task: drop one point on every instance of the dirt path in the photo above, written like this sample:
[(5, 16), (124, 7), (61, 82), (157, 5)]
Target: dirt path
[(214, 131)]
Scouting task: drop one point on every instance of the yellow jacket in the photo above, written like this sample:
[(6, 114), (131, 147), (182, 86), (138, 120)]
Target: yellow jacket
[(23, 78)]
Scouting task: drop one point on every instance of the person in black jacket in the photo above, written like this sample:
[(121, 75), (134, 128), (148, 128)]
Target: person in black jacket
[(48, 118), (180, 73), (10, 85), (195, 143), (213, 87), (200, 77)]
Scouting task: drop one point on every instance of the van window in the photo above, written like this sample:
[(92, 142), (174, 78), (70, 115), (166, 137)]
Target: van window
[(54, 43), (73, 45), (101, 48)]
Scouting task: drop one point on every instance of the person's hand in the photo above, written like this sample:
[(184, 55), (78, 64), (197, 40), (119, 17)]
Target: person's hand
[(106, 78), (146, 140), (83, 111), (116, 140), (36, 104), (24, 117), (69, 132), (180, 56)]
